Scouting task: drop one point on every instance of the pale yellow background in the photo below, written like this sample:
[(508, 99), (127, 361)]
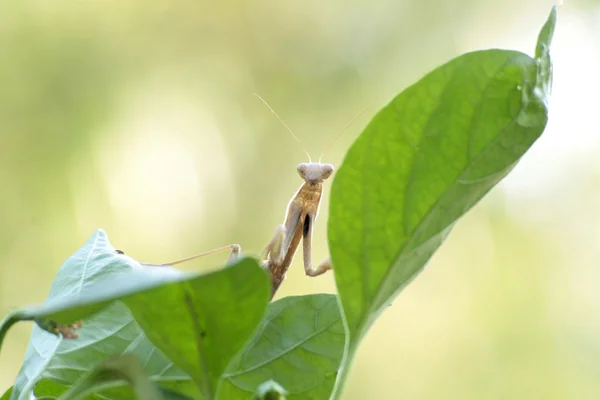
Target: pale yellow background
[(138, 117)]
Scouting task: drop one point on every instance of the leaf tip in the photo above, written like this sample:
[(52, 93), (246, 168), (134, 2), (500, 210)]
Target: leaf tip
[(545, 36), (100, 232)]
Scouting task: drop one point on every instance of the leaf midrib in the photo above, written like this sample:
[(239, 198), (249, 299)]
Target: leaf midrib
[(86, 266)]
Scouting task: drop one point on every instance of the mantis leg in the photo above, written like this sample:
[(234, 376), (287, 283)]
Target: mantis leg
[(236, 250), (275, 249), (307, 251)]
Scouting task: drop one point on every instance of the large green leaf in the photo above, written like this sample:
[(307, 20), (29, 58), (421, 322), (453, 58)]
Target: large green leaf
[(299, 345), (422, 162)]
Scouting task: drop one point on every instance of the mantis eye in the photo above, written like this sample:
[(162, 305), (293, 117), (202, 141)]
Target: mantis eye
[(302, 170), (326, 170)]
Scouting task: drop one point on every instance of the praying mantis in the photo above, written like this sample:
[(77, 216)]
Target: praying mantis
[(300, 215)]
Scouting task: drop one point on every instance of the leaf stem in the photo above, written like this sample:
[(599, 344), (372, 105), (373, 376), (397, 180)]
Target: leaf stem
[(344, 371), (12, 318)]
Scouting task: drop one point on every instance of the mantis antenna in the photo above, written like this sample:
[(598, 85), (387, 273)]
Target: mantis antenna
[(284, 124), (344, 130)]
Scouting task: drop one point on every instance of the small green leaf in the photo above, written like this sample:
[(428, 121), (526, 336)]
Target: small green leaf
[(119, 368), (299, 345), (202, 324)]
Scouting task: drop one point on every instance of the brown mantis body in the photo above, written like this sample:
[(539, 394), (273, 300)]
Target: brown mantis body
[(301, 212)]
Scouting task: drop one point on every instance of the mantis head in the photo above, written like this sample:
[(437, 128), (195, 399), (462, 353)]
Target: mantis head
[(314, 172)]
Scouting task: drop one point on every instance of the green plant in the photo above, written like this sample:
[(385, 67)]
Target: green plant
[(422, 162)]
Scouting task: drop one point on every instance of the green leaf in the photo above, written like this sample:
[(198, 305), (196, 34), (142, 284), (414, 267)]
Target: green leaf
[(108, 332), (113, 330), (7, 394), (423, 161), (299, 346), (94, 261), (202, 324), (119, 368)]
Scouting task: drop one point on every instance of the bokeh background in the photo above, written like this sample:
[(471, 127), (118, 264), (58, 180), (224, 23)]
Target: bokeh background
[(138, 117)]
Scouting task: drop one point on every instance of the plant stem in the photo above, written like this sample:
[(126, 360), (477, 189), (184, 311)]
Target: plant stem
[(344, 371), (11, 319)]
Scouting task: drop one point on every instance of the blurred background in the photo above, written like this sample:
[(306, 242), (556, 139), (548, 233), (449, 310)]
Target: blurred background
[(138, 117)]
